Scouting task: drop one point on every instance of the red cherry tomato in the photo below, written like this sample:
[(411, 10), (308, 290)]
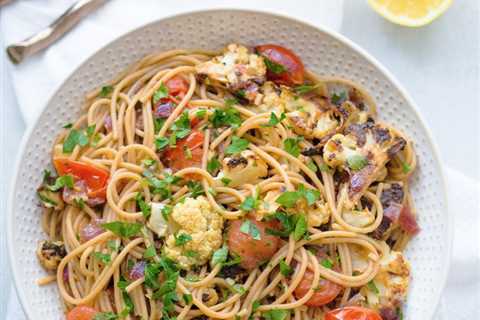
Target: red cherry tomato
[(82, 313), (95, 178), (352, 313), (253, 252), (177, 86), (326, 292), (294, 70), (179, 157)]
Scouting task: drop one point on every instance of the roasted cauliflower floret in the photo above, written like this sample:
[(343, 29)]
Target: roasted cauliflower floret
[(268, 205), (50, 253), (237, 69), (157, 222), (389, 288), (318, 214), (339, 149), (358, 218), (246, 168), (197, 233)]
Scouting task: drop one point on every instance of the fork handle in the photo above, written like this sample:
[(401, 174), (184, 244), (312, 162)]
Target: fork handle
[(19, 51)]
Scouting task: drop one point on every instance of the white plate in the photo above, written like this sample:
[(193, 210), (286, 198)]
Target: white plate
[(322, 51)]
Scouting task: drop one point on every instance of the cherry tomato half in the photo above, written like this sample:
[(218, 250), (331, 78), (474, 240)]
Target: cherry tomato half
[(82, 313), (186, 153), (294, 71), (352, 313), (177, 86), (253, 252), (95, 178), (326, 292)]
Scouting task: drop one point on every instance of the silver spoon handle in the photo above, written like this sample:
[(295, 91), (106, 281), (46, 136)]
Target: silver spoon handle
[(19, 51)]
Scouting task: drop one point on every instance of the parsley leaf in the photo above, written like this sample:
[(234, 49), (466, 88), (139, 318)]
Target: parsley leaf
[(357, 162), (62, 181), (288, 199), (288, 224), (312, 166), (144, 207), (182, 238), (105, 91), (291, 146), (105, 316), (161, 143), (276, 314), (274, 120), (300, 227), (90, 130), (75, 137), (162, 92), (237, 145), (68, 125), (123, 229), (103, 257), (274, 66), (187, 298), (327, 263), (230, 102), (371, 285), (406, 167), (150, 252), (250, 228), (249, 204), (201, 113), (228, 117), (213, 165), (219, 256), (285, 269), (255, 306), (195, 188), (226, 181), (338, 99)]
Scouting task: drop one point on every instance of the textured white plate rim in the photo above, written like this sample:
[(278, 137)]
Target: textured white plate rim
[(349, 43)]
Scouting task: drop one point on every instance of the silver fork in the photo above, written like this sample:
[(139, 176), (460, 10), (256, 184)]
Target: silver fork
[(17, 52)]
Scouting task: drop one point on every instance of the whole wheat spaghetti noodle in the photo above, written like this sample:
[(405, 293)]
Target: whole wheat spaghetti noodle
[(228, 185)]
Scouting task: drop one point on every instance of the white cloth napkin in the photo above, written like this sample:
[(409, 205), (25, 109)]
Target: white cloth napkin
[(36, 79)]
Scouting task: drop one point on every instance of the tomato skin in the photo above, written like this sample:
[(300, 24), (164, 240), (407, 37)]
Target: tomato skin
[(176, 156), (327, 290), (295, 71), (81, 313), (95, 178), (177, 86), (253, 252), (352, 313)]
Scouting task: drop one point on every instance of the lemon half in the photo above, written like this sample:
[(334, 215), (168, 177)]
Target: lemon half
[(411, 13)]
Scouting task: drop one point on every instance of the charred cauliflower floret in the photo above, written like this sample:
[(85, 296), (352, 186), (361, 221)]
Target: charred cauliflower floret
[(389, 287), (50, 199), (237, 69), (339, 149), (50, 253), (246, 168), (318, 214), (197, 233)]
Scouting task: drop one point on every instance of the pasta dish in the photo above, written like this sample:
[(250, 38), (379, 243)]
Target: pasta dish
[(228, 185)]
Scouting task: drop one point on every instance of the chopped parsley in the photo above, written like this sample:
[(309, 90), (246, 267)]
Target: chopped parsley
[(291, 146), (300, 227), (60, 182), (338, 99), (250, 228), (372, 287), (230, 102), (274, 66), (144, 207), (213, 164), (201, 113), (162, 92), (149, 252), (123, 229), (195, 188), (255, 306), (276, 314), (74, 138), (105, 316), (90, 130), (182, 238), (219, 256), (249, 204), (285, 269), (305, 88), (237, 145), (68, 125), (161, 143), (406, 167), (327, 263), (149, 163), (274, 120), (226, 181), (187, 298), (102, 257), (289, 199), (312, 166), (228, 117), (105, 91)]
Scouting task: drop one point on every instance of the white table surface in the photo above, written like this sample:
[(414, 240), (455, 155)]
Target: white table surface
[(438, 64)]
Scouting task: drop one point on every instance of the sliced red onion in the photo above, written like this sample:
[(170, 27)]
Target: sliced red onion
[(163, 109), (408, 222), (137, 270), (90, 231), (79, 192), (389, 314), (107, 122), (65, 274), (393, 212), (92, 202)]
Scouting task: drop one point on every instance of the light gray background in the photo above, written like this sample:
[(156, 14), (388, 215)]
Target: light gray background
[(437, 64)]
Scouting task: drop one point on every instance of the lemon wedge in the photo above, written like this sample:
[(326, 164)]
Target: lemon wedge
[(411, 13)]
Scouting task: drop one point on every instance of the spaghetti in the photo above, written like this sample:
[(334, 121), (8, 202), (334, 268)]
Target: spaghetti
[(231, 185)]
